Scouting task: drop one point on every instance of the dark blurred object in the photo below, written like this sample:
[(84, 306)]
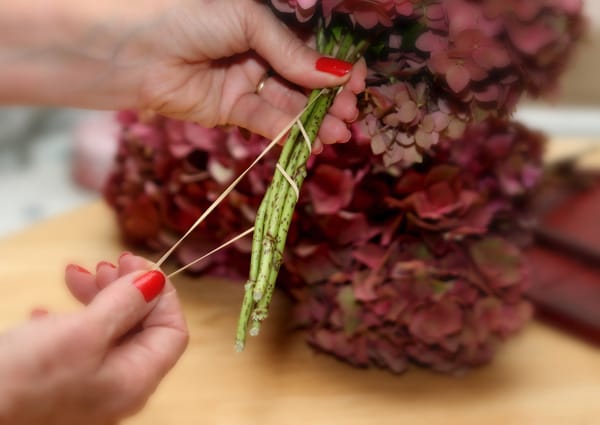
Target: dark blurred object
[(565, 259)]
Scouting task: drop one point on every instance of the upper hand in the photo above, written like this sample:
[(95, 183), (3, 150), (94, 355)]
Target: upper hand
[(207, 58)]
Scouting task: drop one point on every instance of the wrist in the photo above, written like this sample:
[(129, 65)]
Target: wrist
[(74, 53)]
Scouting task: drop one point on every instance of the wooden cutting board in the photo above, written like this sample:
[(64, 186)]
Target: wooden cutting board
[(540, 377)]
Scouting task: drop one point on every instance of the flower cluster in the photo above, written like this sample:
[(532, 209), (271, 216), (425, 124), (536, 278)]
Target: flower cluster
[(387, 266), (423, 267), (167, 172), (366, 13), (447, 63), (406, 242)]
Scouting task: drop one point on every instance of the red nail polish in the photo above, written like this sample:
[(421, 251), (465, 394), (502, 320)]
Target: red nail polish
[(150, 284), (77, 268), (105, 263), (333, 66), (38, 312)]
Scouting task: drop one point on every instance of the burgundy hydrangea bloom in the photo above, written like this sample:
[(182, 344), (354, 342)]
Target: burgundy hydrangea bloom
[(167, 172), (405, 121), (369, 13), (423, 267), (366, 13), (406, 243), (448, 63), (387, 266)]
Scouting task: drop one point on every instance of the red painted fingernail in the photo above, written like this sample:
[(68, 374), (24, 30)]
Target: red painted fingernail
[(38, 312), (333, 66), (124, 254), (150, 284), (77, 268), (105, 263)]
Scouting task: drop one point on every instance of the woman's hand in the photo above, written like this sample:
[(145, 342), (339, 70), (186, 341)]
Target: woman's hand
[(98, 365), (211, 55), (197, 60)]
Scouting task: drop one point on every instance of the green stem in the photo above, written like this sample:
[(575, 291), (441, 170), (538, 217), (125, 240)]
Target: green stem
[(246, 311), (298, 175), (276, 210), (358, 50), (262, 216), (263, 208), (345, 45), (279, 187), (281, 217), (270, 254)]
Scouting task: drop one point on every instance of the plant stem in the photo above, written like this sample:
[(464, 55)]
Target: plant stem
[(276, 210), (262, 216), (272, 258), (262, 210), (298, 175), (272, 212)]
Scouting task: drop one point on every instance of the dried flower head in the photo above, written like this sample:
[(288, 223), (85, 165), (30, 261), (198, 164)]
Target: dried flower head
[(439, 65), (387, 266), (422, 267)]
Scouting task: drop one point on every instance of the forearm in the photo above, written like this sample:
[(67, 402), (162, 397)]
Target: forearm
[(75, 53)]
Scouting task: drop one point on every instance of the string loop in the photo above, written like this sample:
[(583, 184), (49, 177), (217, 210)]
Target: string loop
[(289, 180)]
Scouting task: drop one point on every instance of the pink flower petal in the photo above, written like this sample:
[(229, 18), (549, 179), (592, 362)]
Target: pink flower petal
[(458, 78)]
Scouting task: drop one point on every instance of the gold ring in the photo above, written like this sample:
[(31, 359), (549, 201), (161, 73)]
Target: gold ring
[(262, 82)]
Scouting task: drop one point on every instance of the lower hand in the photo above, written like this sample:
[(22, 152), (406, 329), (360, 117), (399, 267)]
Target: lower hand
[(101, 364)]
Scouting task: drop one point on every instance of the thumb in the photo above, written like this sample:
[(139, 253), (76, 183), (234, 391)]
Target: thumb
[(288, 55), (126, 302)]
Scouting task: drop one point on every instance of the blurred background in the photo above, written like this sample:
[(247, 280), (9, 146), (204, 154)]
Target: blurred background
[(46, 167)]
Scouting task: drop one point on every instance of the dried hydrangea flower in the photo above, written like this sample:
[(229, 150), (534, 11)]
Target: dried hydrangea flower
[(388, 267), (462, 59)]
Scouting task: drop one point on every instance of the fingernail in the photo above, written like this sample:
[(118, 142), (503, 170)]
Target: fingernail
[(150, 284), (105, 263), (347, 138), (124, 254), (333, 66), (38, 312), (77, 268)]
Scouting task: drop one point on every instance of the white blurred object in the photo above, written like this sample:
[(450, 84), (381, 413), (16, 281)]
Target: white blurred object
[(563, 121), (35, 166), (592, 11), (94, 149)]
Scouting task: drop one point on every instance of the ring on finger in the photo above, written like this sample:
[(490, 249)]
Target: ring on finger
[(261, 83)]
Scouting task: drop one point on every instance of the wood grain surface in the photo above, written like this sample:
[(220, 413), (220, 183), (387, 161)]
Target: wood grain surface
[(540, 377)]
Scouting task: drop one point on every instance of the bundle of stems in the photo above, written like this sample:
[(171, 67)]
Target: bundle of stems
[(277, 207)]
